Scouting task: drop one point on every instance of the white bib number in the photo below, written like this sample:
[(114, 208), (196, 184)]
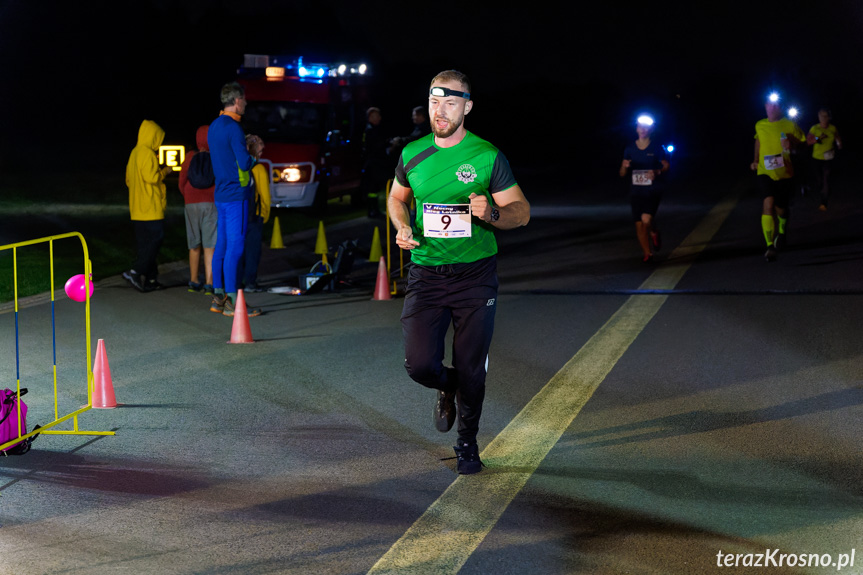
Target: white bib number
[(829, 154), (774, 162), (446, 220), (641, 178)]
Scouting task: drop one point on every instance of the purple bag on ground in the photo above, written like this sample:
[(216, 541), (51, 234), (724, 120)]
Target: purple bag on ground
[(9, 424)]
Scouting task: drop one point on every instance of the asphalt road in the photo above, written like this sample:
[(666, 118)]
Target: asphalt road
[(639, 418)]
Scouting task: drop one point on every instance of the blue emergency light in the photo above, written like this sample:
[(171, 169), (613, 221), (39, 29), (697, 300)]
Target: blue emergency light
[(311, 70)]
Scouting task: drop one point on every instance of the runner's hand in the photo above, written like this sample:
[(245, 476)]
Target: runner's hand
[(405, 238), (480, 207)]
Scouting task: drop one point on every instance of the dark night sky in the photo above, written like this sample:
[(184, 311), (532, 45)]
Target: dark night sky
[(82, 75)]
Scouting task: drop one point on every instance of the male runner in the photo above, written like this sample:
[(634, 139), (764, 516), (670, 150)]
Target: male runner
[(464, 190), (775, 135)]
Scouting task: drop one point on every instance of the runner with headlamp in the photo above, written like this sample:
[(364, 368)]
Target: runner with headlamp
[(464, 190), (775, 136), (645, 162)]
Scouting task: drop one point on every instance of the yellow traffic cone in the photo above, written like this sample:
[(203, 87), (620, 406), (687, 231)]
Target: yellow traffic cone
[(276, 243), (376, 253), (321, 245)]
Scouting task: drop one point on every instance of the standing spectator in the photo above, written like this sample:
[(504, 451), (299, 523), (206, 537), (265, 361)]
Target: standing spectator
[(259, 214), (232, 165), (147, 201), (422, 127), (376, 164), (198, 184)]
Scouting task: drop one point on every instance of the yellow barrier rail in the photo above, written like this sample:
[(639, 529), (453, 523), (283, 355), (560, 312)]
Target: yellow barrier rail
[(389, 239), (58, 419)]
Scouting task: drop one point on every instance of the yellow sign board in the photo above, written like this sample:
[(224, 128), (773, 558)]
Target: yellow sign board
[(172, 156)]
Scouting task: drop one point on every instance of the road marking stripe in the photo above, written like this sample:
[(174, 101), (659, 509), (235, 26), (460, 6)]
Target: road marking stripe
[(444, 537)]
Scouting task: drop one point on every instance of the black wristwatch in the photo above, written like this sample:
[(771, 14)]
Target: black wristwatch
[(495, 214)]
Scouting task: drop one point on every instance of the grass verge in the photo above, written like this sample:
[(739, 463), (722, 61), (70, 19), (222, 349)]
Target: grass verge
[(95, 206)]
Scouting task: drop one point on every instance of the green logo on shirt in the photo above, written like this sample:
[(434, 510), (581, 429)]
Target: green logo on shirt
[(466, 173)]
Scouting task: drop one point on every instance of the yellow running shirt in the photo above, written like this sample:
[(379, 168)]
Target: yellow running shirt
[(824, 150), (771, 161)]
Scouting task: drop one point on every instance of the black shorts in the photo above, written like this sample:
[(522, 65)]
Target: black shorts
[(644, 202), (779, 190)]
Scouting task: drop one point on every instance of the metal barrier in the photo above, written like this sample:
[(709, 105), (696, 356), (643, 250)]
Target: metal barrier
[(47, 428), (389, 239)]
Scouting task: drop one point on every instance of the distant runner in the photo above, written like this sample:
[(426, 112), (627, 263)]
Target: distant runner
[(824, 139), (775, 136), (645, 162)]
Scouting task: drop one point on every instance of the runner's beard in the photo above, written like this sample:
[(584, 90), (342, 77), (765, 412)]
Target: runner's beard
[(449, 130)]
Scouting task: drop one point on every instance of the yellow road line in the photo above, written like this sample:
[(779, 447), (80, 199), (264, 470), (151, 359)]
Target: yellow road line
[(444, 537)]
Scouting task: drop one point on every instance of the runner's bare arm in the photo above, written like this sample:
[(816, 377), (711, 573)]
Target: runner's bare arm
[(754, 165), (624, 167), (398, 205), (511, 203)]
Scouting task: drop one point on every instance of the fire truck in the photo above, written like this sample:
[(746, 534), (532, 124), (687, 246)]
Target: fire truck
[(311, 118)]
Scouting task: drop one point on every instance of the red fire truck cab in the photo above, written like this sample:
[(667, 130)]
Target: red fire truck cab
[(311, 118)]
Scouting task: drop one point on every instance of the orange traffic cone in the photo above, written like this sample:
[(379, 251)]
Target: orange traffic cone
[(241, 332), (382, 287), (103, 389)]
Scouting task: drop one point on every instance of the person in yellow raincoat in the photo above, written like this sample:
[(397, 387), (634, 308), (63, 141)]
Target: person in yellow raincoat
[(147, 200)]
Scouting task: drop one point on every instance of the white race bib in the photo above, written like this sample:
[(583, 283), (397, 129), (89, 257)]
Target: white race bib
[(446, 220), (829, 154), (641, 178), (774, 162)]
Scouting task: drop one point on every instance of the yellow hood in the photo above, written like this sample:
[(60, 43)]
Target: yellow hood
[(150, 135)]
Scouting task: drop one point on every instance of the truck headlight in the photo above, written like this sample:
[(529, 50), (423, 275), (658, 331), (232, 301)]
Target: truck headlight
[(292, 174)]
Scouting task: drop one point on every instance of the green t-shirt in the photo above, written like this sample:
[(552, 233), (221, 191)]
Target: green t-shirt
[(440, 177)]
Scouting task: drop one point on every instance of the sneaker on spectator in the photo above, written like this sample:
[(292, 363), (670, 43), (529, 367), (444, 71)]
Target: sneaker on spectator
[(195, 287), (134, 278), (208, 289), (228, 309), (218, 305)]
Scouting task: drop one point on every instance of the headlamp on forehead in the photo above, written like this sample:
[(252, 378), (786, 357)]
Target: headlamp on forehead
[(773, 98), (645, 120), (793, 112), (443, 92)]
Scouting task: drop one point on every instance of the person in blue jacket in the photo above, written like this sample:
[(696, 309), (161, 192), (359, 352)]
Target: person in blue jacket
[(232, 165)]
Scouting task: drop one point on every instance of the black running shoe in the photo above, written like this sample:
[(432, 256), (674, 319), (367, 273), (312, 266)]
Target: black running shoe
[(780, 242), (444, 411), (770, 254), (467, 455), (135, 279)]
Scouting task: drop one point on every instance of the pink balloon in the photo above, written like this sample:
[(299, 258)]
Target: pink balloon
[(75, 288)]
